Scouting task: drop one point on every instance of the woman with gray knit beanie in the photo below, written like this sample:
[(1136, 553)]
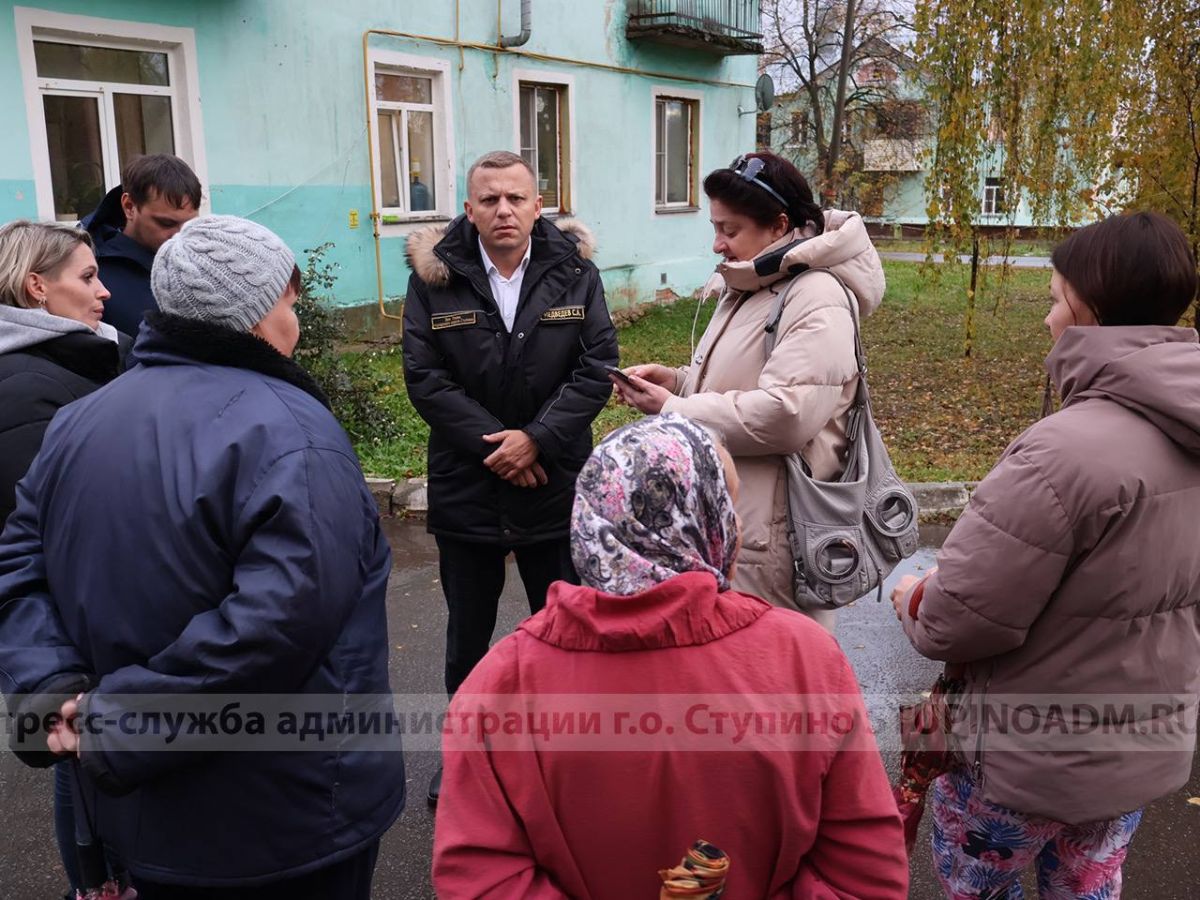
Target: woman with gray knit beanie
[(219, 540)]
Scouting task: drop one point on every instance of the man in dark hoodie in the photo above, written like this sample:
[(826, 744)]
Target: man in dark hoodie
[(157, 195)]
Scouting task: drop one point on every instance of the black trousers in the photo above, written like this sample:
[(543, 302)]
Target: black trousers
[(349, 879), (472, 580)]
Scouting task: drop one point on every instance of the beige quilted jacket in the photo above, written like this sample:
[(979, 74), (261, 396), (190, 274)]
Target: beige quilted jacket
[(798, 399)]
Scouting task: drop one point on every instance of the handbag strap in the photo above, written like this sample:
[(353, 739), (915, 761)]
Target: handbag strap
[(771, 328), (771, 335), (862, 399)]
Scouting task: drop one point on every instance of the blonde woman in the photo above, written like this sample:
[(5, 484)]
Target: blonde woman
[(53, 349), (53, 346)]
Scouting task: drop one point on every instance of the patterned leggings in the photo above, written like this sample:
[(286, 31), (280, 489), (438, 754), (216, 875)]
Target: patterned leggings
[(980, 849)]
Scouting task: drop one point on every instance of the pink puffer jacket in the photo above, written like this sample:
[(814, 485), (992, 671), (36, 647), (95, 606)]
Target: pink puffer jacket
[(1071, 586)]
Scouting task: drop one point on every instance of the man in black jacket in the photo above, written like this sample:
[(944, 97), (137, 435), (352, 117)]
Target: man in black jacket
[(506, 336), (158, 193)]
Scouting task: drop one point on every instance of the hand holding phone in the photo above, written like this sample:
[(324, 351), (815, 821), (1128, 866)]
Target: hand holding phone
[(618, 374), (645, 394)]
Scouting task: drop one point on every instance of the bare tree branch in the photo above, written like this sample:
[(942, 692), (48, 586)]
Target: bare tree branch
[(823, 45)]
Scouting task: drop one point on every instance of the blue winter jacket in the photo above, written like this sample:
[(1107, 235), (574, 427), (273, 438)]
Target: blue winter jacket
[(201, 527)]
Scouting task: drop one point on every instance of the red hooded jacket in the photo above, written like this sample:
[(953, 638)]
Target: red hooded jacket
[(596, 815)]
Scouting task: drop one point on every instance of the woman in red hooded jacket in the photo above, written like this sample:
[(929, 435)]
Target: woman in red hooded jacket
[(653, 706)]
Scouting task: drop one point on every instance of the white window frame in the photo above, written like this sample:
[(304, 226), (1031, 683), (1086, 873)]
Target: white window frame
[(179, 45), (670, 92), (991, 194), (443, 138), (567, 173)]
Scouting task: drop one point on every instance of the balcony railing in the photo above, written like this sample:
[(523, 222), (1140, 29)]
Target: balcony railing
[(727, 27), (895, 154)]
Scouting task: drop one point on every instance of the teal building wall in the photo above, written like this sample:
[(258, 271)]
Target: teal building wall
[(285, 141)]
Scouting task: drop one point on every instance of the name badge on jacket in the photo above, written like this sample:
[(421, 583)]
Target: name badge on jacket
[(563, 314), (451, 320)]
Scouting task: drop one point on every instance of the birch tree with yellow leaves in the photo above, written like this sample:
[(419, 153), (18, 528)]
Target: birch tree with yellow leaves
[(1083, 107)]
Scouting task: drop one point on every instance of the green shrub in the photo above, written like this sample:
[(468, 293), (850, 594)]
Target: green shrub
[(355, 388)]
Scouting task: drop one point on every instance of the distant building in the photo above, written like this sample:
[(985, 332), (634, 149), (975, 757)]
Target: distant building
[(886, 145)]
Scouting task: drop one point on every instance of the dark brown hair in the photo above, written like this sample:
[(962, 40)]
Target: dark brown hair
[(1133, 269), (160, 173), (748, 199)]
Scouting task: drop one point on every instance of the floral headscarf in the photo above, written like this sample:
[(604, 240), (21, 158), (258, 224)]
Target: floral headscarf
[(651, 502)]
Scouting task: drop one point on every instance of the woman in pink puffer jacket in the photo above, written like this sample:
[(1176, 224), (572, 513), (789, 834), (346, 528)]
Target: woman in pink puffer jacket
[(1070, 588)]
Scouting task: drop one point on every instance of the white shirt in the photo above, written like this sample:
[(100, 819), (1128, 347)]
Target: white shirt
[(506, 291)]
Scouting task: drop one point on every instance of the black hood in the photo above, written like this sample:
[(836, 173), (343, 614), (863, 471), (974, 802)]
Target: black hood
[(173, 340), (107, 215), (106, 225)]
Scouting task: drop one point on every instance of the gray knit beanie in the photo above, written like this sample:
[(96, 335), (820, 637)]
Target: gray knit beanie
[(221, 269)]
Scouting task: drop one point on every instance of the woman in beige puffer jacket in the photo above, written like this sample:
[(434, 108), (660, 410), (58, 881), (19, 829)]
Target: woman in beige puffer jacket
[(768, 229)]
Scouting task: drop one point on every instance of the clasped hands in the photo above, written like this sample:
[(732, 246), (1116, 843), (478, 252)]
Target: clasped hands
[(515, 460), (63, 739)]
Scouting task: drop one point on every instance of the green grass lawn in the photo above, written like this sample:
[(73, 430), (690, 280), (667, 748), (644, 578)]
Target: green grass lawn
[(944, 417)]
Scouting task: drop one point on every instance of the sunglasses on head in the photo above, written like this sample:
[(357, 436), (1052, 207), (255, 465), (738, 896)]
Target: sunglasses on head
[(748, 168)]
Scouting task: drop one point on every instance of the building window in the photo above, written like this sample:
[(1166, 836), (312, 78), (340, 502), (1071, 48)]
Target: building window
[(404, 123), (903, 119), (798, 131), (98, 93), (102, 106), (545, 141), (876, 72), (675, 146), (762, 131), (414, 179), (993, 197)]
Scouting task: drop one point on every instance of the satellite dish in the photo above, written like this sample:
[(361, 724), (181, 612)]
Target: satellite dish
[(764, 92), (764, 97)]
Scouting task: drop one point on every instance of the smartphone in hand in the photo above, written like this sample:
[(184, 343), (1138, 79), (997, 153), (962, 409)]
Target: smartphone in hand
[(618, 374)]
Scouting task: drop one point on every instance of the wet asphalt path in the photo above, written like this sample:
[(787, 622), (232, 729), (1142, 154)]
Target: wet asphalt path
[(1164, 863), (1017, 262)]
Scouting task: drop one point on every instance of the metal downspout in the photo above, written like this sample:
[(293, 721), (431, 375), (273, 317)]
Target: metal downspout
[(507, 41)]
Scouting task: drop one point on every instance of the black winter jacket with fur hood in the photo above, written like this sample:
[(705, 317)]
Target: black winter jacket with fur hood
[(468, 376)]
